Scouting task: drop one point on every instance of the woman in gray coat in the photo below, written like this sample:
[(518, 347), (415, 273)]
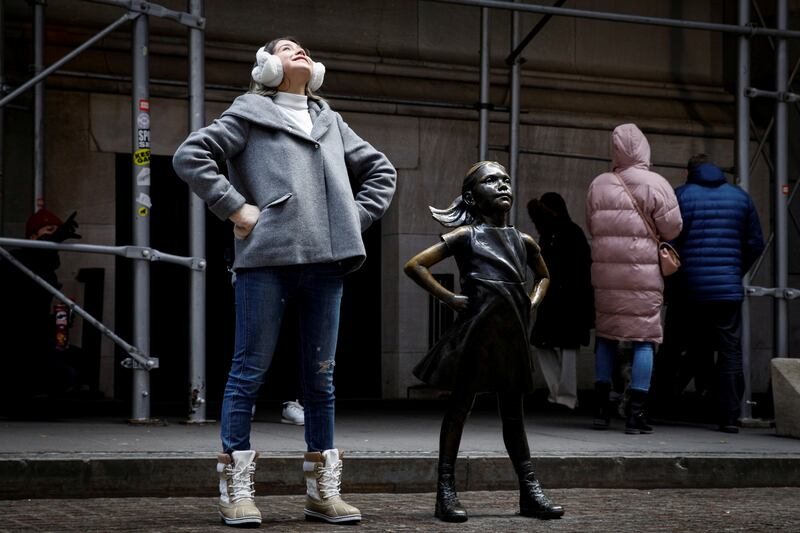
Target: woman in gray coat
[(301, 188)]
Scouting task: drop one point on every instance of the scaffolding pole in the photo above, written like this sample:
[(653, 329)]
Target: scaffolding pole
[(38, 106), (483, 116), (781, 181), (197, 229), (742, 166), (2, 111), (140, 123), (513, 120)]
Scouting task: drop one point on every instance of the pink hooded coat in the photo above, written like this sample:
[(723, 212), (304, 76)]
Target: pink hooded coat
[(628, 286)]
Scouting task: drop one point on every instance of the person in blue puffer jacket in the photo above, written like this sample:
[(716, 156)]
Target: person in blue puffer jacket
[(720, 240)]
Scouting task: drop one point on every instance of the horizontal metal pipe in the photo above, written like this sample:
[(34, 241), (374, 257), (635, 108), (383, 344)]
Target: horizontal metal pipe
[(118, 3), (631, 19), (242, 88), (144, 360), (571, 155), (132, 252), (47, 245), (752, 92), (157, 10), (67, 58)]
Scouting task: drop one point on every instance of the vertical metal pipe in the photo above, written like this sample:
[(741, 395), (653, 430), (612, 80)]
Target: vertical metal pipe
[(38, 106), (197, 229), (742, 164), (2, 111), (140, 122), (483, 141), (781, 187), (513, 122)]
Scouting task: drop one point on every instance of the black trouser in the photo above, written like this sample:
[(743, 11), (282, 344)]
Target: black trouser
[(684, 355), (699, 329), (511, 414)]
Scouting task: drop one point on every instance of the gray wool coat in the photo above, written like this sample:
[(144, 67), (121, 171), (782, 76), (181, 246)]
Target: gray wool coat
[(317, 193)]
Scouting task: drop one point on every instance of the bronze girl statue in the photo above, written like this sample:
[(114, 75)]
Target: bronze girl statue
[(487, 348)]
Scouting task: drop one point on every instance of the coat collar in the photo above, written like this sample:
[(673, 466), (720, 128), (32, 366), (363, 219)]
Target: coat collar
[(263, 111), (707, 175), (321, 117)]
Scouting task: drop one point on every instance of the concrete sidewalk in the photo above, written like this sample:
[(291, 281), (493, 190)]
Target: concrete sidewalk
[(587, 511), (389, 448)]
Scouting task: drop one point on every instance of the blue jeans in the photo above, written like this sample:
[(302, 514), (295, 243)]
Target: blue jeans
[(261, 298), (642, 369)]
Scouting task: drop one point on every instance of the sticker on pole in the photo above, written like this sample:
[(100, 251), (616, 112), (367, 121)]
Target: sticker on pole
[(143, 121), (143, 137), (143, 211), (144, 199), (785, 190), (143, 177), (141, 157), (144, 105)]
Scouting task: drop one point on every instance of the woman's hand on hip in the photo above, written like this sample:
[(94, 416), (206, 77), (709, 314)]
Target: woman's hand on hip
[(244, 220)]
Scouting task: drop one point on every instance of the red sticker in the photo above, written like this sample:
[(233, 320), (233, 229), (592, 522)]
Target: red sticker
[(144, 105), (785, 190)]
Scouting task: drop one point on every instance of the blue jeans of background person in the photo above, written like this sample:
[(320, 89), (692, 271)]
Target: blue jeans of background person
[(642, 368), (261, 298)]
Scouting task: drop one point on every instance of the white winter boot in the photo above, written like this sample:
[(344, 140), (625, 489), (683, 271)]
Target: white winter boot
[(323, 473), (237, 506)]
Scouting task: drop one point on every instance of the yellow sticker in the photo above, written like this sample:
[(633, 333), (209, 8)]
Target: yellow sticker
[(141, 156), (143, 211)]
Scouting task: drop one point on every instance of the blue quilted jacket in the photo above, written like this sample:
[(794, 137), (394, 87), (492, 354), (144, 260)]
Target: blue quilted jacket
[(721, 237)]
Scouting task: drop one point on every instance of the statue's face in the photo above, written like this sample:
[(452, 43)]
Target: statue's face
[(491, 193)]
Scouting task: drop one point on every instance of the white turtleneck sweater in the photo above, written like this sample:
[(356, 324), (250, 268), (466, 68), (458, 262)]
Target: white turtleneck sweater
[(295, 109)]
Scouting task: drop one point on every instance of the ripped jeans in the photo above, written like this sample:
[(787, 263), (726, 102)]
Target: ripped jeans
[(261, 298)]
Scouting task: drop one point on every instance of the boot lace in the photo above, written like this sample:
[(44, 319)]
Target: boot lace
[(241, 481), (330, 479)]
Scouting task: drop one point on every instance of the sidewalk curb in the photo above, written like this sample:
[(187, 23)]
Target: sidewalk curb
[(135, 475)]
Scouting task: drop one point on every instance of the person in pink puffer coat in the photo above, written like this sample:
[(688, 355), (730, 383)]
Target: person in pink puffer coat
[(627, 280)]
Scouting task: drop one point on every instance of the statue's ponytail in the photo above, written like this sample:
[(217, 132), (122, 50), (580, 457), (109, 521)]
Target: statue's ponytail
[(456, 215)]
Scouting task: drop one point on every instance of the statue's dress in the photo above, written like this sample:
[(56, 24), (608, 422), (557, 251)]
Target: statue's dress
[(486, 349)]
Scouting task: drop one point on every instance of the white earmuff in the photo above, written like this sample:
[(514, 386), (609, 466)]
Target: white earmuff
[(317, 76), (268, 70)]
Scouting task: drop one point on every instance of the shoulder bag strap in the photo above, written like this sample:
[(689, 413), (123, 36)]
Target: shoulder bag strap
[(646, 221)]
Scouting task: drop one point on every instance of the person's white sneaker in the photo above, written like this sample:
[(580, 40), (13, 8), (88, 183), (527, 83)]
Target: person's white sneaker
[(293, 413)]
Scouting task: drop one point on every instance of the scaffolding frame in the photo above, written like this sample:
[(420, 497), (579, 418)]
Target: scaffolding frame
[(745, 30), (139, 11)]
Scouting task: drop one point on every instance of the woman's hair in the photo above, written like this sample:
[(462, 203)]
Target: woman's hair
[(263, 90), (555, 202), (696, 160), (460, 213), (548, 212)]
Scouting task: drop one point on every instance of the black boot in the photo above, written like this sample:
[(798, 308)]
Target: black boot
[(602, 416), (637, 422), (532, 500), (448, 508)]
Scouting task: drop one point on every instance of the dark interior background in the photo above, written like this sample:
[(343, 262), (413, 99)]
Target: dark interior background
[(358, 356)]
